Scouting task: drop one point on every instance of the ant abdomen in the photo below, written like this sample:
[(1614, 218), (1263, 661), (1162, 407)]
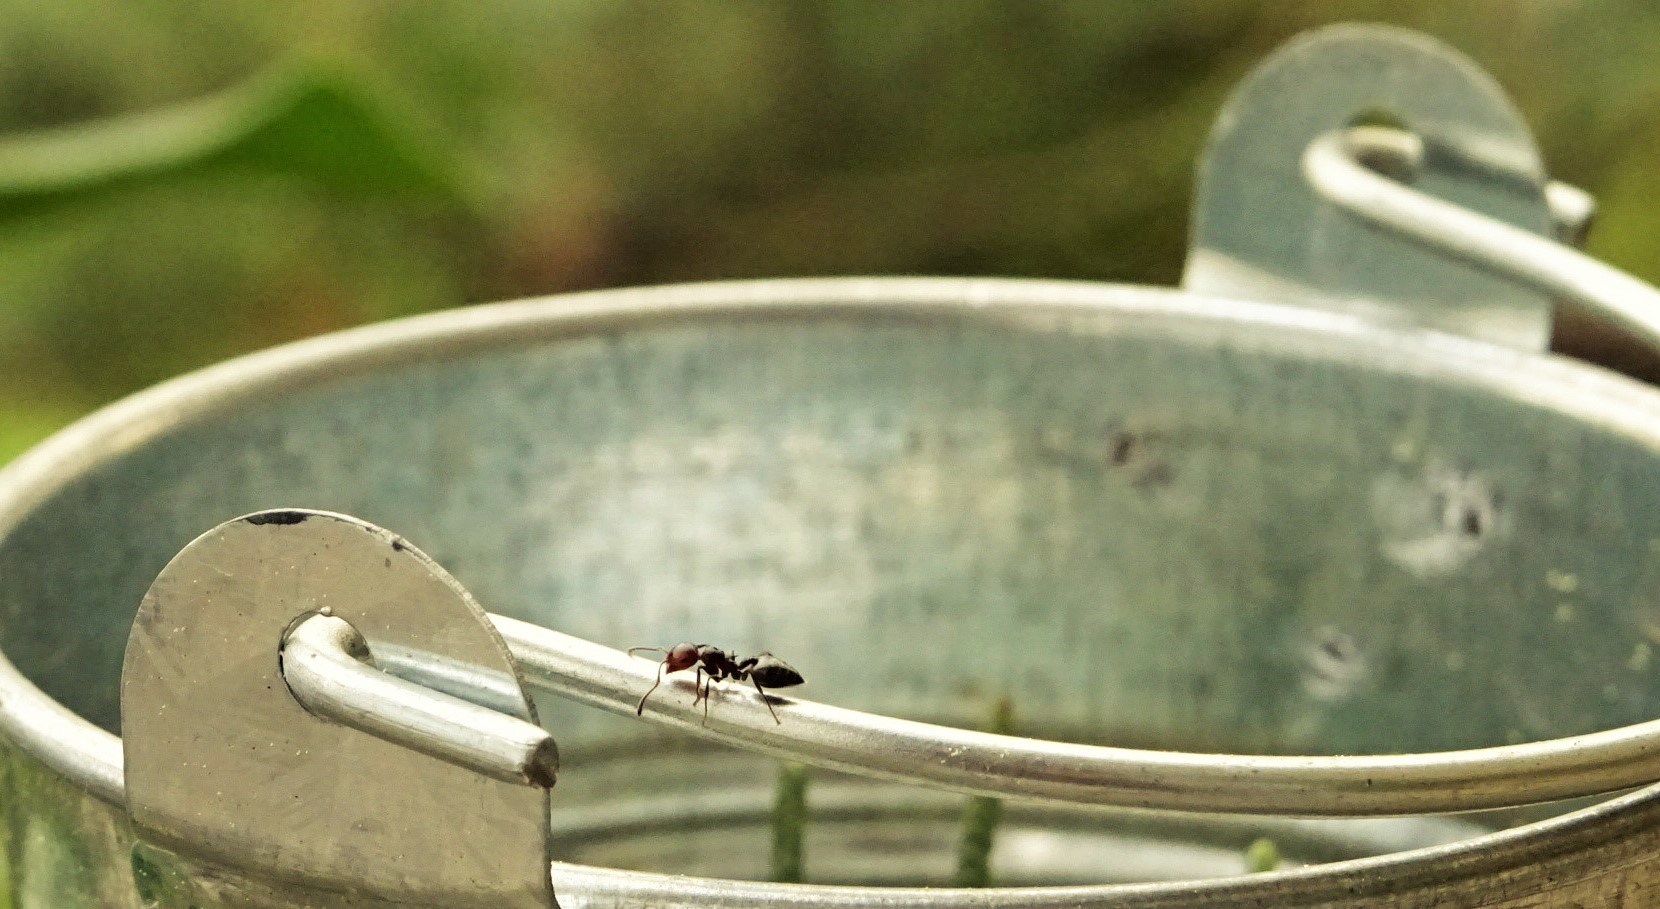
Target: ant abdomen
[(772, 672)]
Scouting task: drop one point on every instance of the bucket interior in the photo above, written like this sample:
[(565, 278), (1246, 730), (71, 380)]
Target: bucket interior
[(1141, 530)]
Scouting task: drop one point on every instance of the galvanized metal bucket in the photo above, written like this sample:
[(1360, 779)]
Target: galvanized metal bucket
[(1241, 555)]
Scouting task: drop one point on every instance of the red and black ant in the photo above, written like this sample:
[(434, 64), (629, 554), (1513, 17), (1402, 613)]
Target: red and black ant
[(762, 670)]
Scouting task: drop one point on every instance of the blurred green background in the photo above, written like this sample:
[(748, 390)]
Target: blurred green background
[(184, 181)]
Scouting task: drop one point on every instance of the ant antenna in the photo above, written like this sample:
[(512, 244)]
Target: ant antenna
[(640, 709)]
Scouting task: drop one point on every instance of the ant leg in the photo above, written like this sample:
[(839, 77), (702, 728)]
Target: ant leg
[(700, 686), (706, 685), (763, 694), (641, 709)]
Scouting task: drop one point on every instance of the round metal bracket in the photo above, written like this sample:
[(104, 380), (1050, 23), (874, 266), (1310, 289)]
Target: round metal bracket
[(224, 765), (1261, 231)]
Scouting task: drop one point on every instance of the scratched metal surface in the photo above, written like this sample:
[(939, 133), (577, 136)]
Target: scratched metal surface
[(1147, 527)]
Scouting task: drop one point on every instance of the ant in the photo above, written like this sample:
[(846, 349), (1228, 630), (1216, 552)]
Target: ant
[(762, 670)]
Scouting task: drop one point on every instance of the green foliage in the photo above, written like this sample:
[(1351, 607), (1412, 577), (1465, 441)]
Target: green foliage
[(981, 816), (187, 180), (1262, 855), (302, 121), (789, 824), (23, 423), (159, 884)]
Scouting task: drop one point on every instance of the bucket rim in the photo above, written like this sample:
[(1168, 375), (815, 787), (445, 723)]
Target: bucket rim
[(91, 758)]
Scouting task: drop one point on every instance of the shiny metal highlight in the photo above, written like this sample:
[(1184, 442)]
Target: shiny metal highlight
[(323, 662), (980, 763)]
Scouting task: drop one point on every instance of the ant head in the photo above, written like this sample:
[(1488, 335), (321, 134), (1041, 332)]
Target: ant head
[(772, 672), (681, 656)]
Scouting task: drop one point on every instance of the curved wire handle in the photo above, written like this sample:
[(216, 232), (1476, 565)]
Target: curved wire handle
[(1503, 249), (981, 763)]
